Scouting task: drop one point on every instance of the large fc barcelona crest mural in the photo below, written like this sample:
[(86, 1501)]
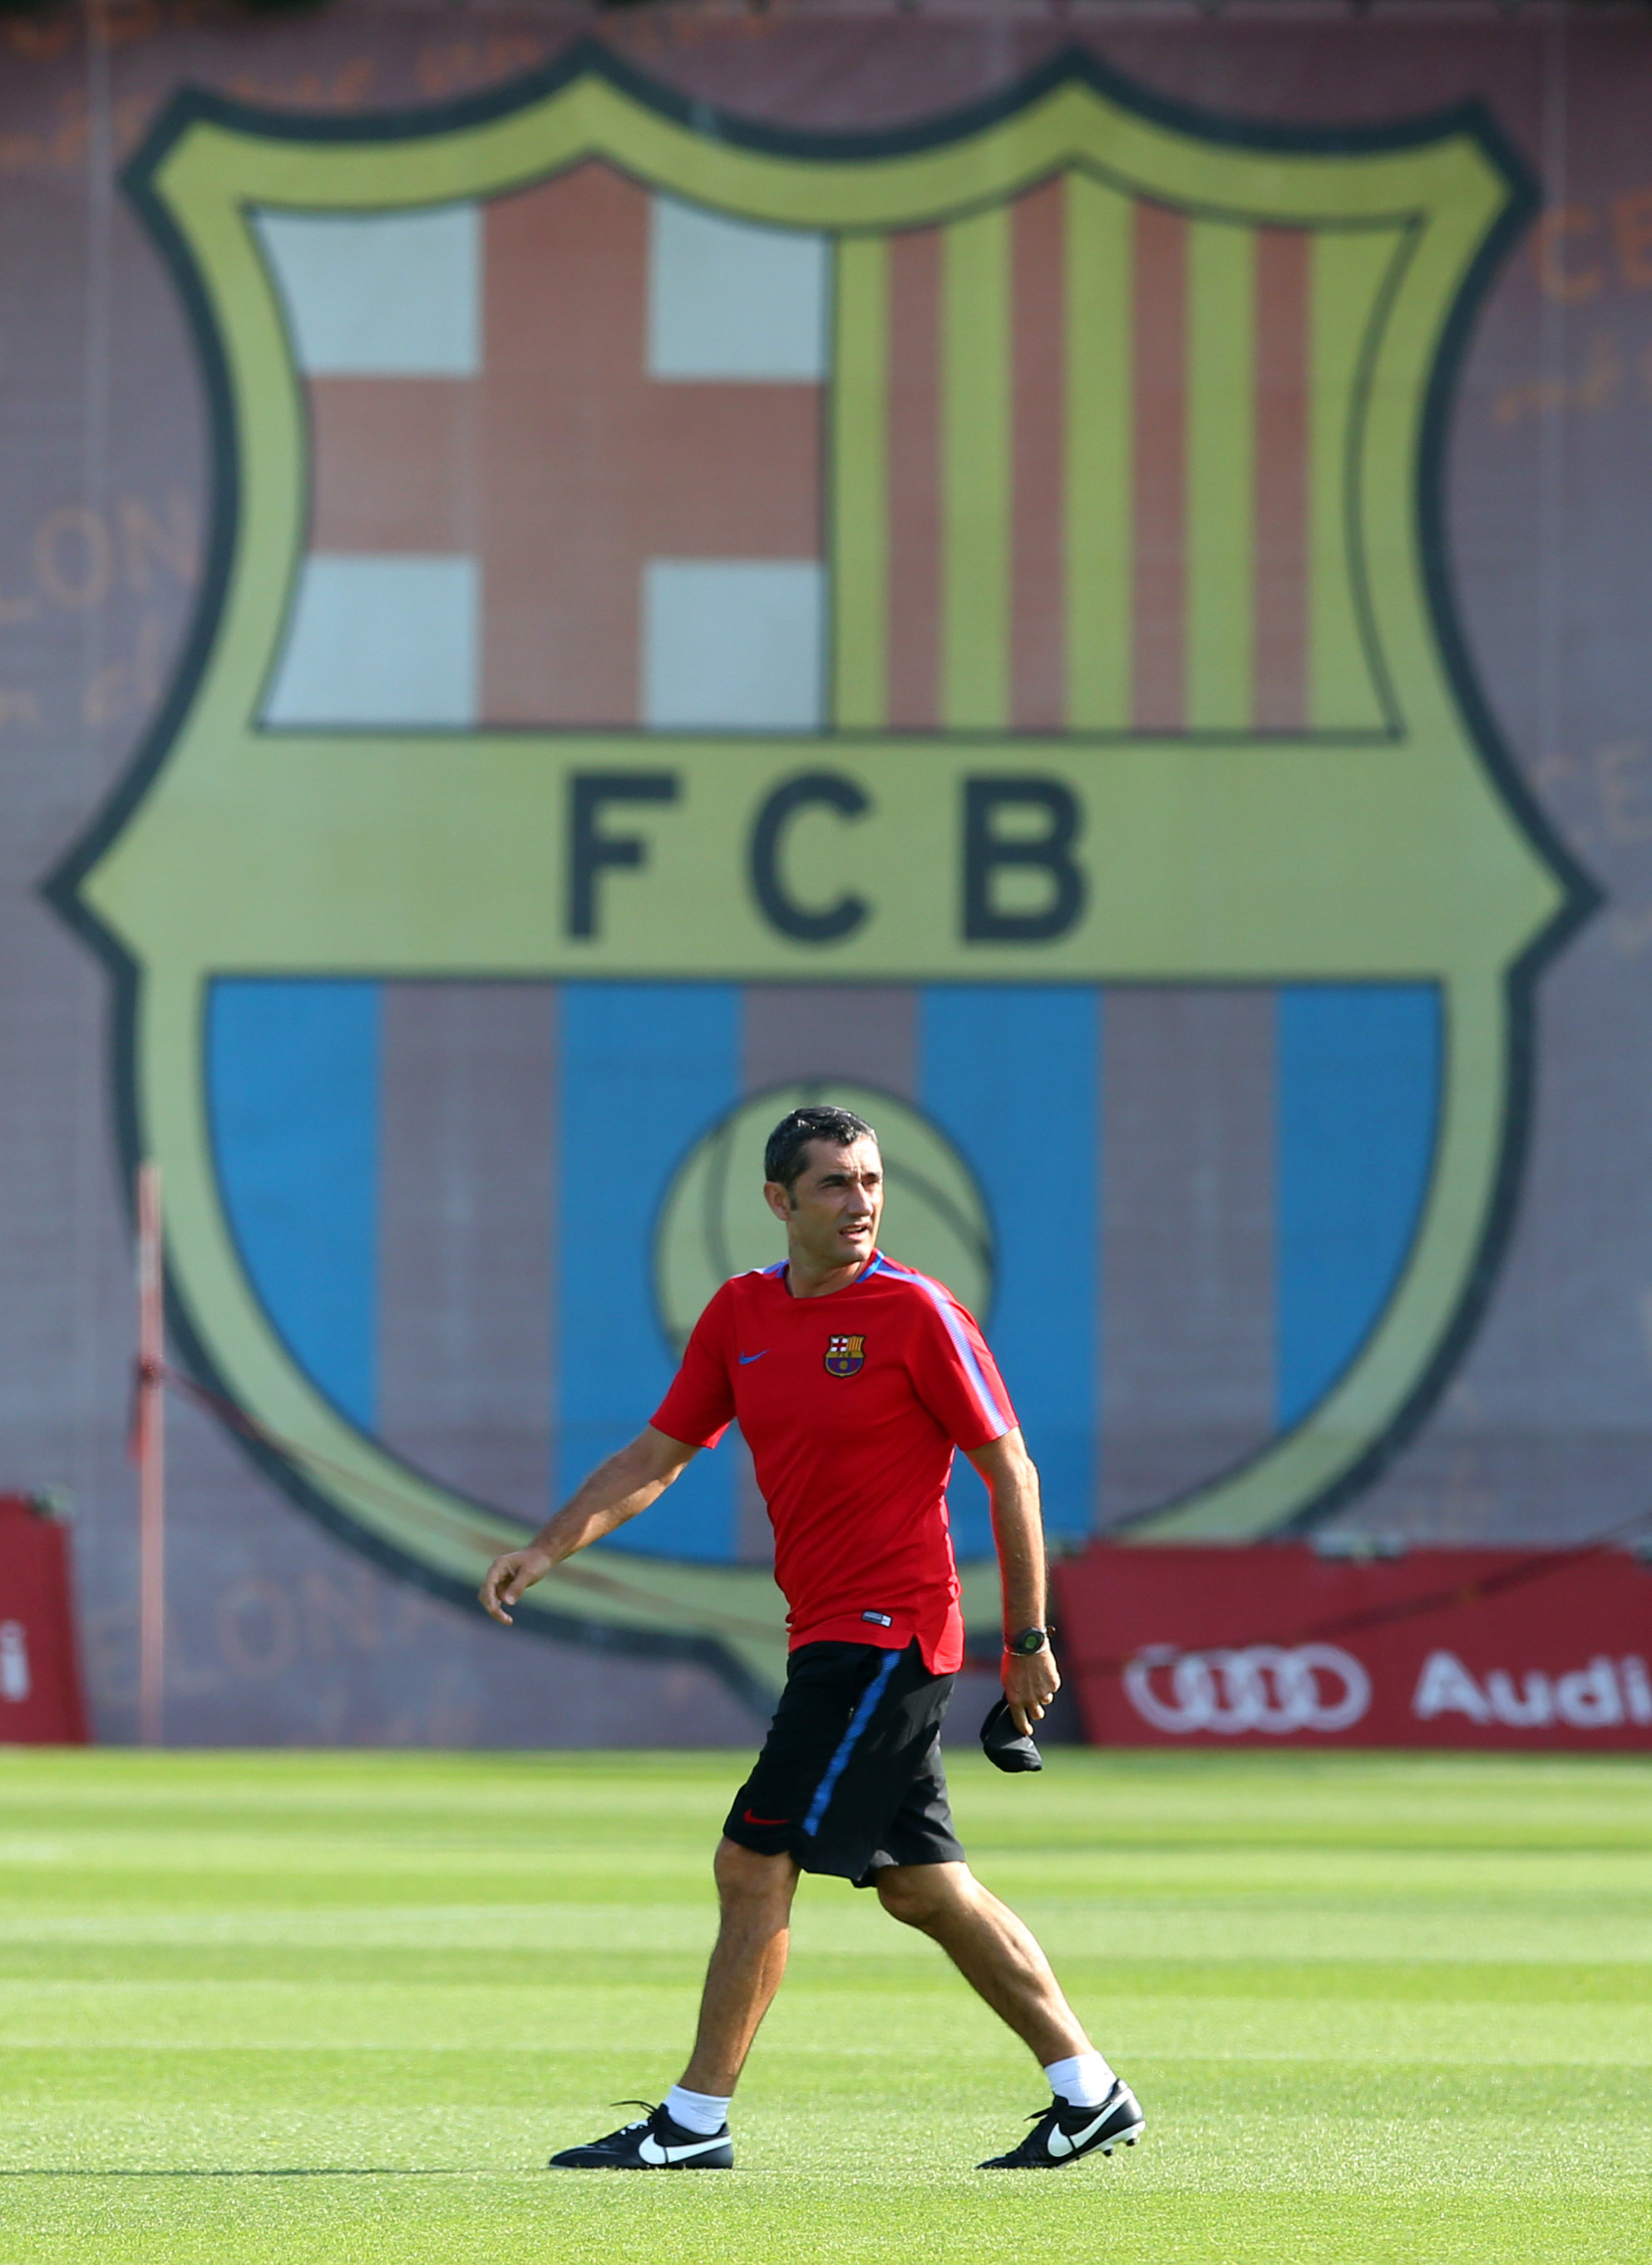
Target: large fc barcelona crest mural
[(704, 616)]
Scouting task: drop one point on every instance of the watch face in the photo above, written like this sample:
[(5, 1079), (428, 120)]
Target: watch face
[(1027, 1642)]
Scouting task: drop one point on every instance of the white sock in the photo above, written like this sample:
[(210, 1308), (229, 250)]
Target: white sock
[(1084, 2082), (702, 2113)]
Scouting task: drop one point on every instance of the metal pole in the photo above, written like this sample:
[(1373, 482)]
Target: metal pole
[(152, 1461)]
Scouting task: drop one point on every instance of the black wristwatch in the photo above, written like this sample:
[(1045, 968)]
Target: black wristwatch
[(1029, 1641)]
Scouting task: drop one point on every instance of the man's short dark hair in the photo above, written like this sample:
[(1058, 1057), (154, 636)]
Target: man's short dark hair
[(788, 1150)]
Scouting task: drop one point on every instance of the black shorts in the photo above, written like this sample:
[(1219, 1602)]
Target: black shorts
[(850, 1779)]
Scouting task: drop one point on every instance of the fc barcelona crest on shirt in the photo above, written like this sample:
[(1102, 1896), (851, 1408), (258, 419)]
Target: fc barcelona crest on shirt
[(698, 611), (845, 1356)]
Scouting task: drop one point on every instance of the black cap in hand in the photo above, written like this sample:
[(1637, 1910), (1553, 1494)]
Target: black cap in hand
[(1005, 1746)]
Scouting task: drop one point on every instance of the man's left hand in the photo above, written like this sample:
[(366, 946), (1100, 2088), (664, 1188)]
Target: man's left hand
[(1030, 1684)]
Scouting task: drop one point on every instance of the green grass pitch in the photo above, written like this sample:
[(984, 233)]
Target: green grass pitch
[(341, 2007)]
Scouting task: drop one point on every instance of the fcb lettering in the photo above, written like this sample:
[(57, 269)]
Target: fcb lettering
[(999, 827)]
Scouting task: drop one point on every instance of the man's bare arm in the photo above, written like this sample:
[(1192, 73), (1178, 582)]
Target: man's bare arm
[(616, 1490), (1012, 1481)]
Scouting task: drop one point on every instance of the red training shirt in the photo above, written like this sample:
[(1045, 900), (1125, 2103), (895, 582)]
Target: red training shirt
[(852, 1405)]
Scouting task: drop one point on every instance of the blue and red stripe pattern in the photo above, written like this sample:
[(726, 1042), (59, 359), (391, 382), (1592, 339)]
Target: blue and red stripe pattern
[(1200, 1199)]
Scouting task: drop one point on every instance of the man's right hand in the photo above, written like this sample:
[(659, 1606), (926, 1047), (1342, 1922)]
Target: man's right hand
[(507, 1577)]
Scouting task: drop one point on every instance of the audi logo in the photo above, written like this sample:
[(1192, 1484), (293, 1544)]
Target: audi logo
[(1313, 1688)]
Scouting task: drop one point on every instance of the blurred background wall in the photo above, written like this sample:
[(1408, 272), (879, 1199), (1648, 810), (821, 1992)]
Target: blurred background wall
[(572, 463)]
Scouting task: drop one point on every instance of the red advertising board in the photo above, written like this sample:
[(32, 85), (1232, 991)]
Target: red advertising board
[(40, 1701), (1279, 1644)]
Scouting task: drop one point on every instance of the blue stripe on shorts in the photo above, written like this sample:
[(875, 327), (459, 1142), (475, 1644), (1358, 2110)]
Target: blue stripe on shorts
[(862, 1716)]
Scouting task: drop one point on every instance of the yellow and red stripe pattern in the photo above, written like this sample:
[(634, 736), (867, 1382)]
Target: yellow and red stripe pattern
[(1089, 470)]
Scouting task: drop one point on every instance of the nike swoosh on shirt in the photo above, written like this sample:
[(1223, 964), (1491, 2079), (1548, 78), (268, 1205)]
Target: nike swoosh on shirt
[(651, 2151), (749, 1819), (1062, 2143), (747, 1359)]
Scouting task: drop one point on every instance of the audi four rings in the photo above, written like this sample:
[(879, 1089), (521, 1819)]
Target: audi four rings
[(1314, 1686)]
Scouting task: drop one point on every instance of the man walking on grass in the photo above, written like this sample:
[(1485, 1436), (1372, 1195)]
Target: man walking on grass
[(852, 1379)]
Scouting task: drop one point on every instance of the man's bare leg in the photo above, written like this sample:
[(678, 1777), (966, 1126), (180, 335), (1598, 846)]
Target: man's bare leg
[(690, 2133), (997, 1955), (747, 1964), (995, 1952)]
